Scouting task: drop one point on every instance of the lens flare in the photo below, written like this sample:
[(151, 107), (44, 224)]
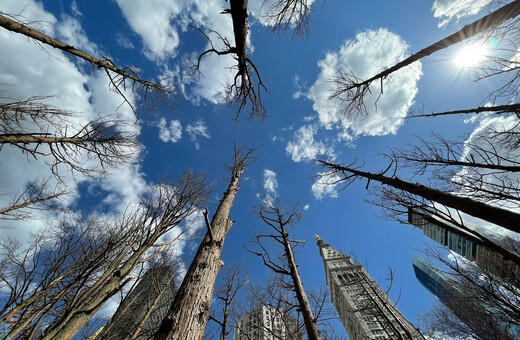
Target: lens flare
[(471, 55)]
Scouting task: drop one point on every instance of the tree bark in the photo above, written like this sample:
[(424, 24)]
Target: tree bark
[(106, 64), (310, 322), (189, 312), (502, 217)]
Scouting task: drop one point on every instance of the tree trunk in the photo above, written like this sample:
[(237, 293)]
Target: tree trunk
[(310, 322), (491, 20), (17, 27), (502, 217), (189, 312), (513, 108), (40, 139), (224, 331)]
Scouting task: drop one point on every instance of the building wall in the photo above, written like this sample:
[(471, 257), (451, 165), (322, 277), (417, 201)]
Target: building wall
[(364, 309), (266, 323), (154, 292)]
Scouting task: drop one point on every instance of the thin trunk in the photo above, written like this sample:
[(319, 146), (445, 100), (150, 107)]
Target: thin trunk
[(448, 162), (514, 108), (189, 312), (106, 64), (35, 139), (491, 20), (140, 326), (310, 322), (224, 325), (27, 204), (78, 317), (502, 217)]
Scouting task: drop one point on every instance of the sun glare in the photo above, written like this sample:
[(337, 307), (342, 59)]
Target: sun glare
[(471, 55)]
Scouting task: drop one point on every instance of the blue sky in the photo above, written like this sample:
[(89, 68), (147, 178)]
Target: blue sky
[(197, 132)]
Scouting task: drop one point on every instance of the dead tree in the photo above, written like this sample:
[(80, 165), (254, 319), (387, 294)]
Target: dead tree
[(57, 288), (348, 174), (40, 130), (275, 296), (282, 15), (188, 314), (351, 90), (482, 168), (497, 109), (276, 216), (118, 76), (243, 89), (226, 295), (36, 196)]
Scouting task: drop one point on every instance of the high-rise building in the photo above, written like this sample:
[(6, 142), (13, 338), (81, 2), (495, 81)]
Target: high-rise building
[(144, 307), (461, 241), (433, 279), (474, 313), (364, 309), (267, 323)]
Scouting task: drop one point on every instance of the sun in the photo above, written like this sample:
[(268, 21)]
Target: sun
[(471, 55)]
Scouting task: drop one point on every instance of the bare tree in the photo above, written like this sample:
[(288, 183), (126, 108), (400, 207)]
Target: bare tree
[(243, 89), (189, 312), (40, 130), (277, 295), (482, 168), (118, 76), (64, 278), (277, 216), (477, 303), (350, 90), (222, 311), (273, 295), (36, 196), (282, 15), (346, 175)]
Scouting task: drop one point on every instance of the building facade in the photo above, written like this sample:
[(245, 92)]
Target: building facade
[(143, 309), (474, 313), (364, 309), (463, 242), (267, 323)]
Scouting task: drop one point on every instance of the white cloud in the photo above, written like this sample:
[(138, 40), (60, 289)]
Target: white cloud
[(70, 31), (171, 133), (304, 148), (159, 24), (199, 129), (325, 186), (306, 207), (448, 10), (485, 139), (124, 41), (367, 55), (153, 21), (270, 182)]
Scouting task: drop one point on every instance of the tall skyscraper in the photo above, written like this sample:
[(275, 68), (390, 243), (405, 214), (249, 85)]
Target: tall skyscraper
[(476, 314), (267, 323), (144, 307), (461, 241), (364, 309)]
